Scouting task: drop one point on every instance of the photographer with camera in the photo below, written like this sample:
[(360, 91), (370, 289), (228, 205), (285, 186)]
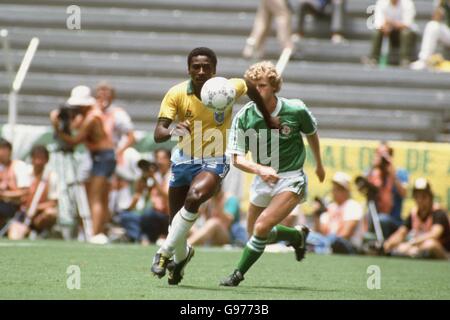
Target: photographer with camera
[(338, 226), (94, 134), (389, 188), (155, 222), (148, 220)]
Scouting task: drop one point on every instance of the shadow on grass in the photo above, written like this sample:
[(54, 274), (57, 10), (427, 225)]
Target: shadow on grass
[(200, 288), (292, 288), (243, 288)]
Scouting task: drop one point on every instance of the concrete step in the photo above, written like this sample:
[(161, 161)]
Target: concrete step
[(154, 43), (162, 66), (354, 7), (157, 20), (315, 94)]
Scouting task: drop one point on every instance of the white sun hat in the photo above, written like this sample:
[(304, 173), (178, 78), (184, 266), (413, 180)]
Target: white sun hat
[(342, 179), (81, 96)]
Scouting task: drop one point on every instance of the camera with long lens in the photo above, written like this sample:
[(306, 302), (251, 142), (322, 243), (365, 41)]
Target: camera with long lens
[(66, 113), (321, 208), (366, 188), (147, 166)]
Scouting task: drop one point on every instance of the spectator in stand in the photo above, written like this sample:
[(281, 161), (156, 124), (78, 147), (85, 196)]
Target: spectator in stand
[(436, 31), (394, 19), (95, 133), (155, 222), (14, 182), (392, 189), (269, 9), (116, 117), (45, 215), (147, 216), (222, 222), (426, 232), (338, 227), (120, 128), (323, 9)]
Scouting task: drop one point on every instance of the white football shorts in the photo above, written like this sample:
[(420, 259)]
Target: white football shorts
[(262, 193)]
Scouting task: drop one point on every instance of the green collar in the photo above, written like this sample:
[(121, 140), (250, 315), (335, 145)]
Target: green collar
[(190, 88), (274, 112)]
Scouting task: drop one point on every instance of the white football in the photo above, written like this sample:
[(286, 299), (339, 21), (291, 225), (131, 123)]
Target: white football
[(218, 94)]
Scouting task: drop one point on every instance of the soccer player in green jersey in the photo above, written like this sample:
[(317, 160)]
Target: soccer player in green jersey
[(196, 173), (280, 183)]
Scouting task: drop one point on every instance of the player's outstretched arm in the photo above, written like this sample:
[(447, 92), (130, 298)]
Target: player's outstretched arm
[(314, 143), (163, 133), (253, 94), (267, 174)]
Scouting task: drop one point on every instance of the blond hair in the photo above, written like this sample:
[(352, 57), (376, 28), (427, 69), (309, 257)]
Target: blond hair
[(263, 69), (105, 85)]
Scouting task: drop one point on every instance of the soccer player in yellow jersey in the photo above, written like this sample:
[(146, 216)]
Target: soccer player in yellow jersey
[(198, 163)]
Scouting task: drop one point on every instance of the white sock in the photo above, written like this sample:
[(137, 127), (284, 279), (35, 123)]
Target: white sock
[(161, 250), (181, 252), (176, 239)]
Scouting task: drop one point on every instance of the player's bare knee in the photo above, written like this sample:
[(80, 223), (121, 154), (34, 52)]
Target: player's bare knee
[(261, 229), (194, 199)]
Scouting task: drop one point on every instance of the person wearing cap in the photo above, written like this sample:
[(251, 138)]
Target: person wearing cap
[(93, 132), (339, 229), (426, 232)]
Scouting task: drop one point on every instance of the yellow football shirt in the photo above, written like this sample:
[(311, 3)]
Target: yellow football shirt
[(208, 128)]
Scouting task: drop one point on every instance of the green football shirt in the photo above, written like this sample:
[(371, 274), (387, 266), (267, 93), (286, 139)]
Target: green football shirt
[(283, 150)]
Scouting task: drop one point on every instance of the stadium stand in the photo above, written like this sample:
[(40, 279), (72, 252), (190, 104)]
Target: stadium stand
[(140, 47)]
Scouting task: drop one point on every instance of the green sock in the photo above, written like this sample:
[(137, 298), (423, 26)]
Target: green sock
[(252, 251), (282, 233)]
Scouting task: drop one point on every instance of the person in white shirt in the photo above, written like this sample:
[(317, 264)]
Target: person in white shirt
[(394, 19), (339, 228), (42, 216), (436, 31)]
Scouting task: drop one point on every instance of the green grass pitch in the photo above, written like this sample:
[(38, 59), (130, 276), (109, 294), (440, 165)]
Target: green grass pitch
[(37, 270)]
